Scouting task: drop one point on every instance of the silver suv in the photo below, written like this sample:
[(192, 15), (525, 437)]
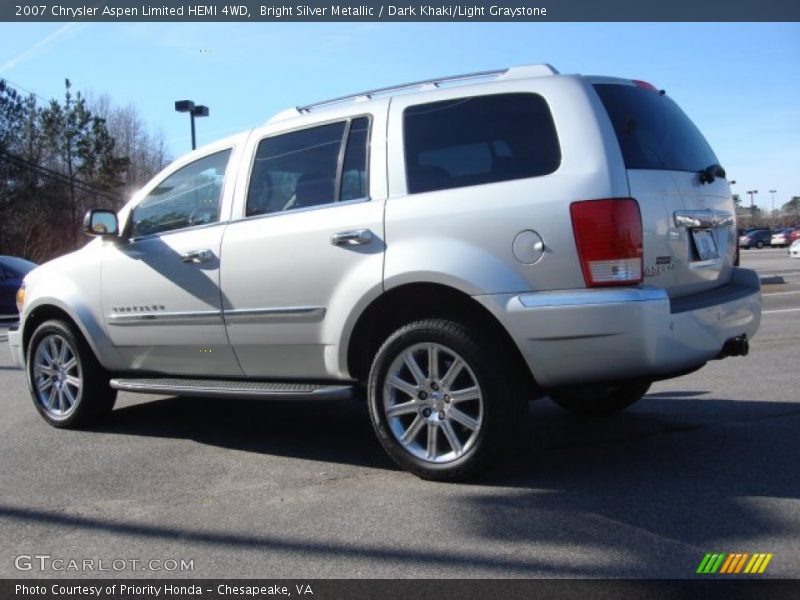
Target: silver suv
[(448, 248)]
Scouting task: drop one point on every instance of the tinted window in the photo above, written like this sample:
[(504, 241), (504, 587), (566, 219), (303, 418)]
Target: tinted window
[(483, 139), (354, 169), (653, 132), (188, 197), (296, 170)]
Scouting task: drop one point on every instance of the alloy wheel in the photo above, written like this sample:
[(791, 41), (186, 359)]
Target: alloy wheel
[(433, 402), (57, 379)]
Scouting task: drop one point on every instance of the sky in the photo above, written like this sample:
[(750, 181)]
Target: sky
[(739, 82)]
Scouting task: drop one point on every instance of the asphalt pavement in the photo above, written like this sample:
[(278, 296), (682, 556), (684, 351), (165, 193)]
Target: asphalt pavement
[(705, 463)]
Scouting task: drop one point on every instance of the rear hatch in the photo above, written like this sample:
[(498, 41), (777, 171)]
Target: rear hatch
[(686, 205)]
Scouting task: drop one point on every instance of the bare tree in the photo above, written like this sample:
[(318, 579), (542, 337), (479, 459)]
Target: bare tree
[(145, 150)]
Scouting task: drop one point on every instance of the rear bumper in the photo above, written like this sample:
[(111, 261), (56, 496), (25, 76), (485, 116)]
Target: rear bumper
[(15, 345), (581, 336)]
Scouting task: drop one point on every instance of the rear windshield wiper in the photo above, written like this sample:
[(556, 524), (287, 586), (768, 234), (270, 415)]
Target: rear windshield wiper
[(711, 172)]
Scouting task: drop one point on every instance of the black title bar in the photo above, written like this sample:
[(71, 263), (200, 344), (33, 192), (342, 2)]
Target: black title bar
[(372, 589), (399, 11)]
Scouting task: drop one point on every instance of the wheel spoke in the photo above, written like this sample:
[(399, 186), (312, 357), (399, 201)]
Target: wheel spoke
[(44, 370), (70, 364), (433, 362), (463, 418), (470, 393), (62, 355), (432, 435), (51, 398), (54, 352), (451, 436), (48, 358), (73, 381), (403, 386), (45, 384), (452, 373), (412, 365), (413, 430), (60, 396), (404, 408), (68, 396)]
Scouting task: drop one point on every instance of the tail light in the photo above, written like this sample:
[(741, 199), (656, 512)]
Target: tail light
[(608, 235)]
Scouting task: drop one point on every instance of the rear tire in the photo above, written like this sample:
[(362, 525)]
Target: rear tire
[(444, 400), (69, 387), (759, 245), (596, 400)]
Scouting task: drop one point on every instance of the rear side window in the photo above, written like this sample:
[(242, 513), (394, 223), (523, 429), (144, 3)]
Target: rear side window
[(653, 132), (477, 140), (311, 167)]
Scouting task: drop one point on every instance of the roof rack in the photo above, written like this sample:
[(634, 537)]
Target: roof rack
[(509, 73)]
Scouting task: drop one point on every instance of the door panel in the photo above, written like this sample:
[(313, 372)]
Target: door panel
[(310, 251), (284, 280), (163, 311), (160, 290)]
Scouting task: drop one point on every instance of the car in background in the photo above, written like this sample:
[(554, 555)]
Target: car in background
[(782, 237), (755, 238), (794, 249), (12, 271)]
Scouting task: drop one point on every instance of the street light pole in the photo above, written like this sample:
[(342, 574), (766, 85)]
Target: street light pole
[(194, 111), (752, 207), (773, 192)]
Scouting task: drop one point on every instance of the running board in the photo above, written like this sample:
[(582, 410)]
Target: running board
[(232, 388)]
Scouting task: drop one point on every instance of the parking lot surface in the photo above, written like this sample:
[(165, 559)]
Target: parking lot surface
[(705, 463)]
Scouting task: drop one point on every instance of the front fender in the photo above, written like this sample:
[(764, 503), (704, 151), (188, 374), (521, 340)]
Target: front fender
[(71, 284)]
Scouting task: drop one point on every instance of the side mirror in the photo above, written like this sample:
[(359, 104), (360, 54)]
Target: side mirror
[(102, 222)]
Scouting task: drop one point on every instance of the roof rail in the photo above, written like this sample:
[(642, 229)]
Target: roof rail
[(509, 73)]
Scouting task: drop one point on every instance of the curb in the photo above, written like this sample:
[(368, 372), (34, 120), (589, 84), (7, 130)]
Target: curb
[(772, 279)]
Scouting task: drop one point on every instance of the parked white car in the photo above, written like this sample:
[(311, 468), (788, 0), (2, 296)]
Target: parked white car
[(781, 238), (794, 249), (451, 248)]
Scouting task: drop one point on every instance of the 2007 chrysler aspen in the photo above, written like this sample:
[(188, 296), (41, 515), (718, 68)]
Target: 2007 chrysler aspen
[(449, 248)]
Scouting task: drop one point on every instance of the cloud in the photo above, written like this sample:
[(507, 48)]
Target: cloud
[(38, 47)]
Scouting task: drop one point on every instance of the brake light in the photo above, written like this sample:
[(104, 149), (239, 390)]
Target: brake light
[(608, 235), (644, 85)]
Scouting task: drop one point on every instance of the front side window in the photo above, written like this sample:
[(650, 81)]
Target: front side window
[(477, 140), (188, 197), (310, 167)]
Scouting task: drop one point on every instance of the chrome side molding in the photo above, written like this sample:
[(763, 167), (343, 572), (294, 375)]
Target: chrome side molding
[(706, 218)]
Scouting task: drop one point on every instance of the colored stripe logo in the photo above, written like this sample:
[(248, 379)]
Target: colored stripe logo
[(731, 564)]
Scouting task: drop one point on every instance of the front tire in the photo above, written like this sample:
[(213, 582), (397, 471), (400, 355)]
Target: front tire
[(69, 387), (596, 400), (443, 399)]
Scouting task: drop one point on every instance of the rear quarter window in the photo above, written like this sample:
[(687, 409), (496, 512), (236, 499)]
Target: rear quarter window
[(478, 140), (653, 132)]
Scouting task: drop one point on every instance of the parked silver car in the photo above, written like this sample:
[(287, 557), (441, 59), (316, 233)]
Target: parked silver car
[(450, 250)]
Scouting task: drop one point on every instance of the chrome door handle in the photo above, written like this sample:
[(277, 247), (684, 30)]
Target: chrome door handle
[(357, 237), (197, 256)]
